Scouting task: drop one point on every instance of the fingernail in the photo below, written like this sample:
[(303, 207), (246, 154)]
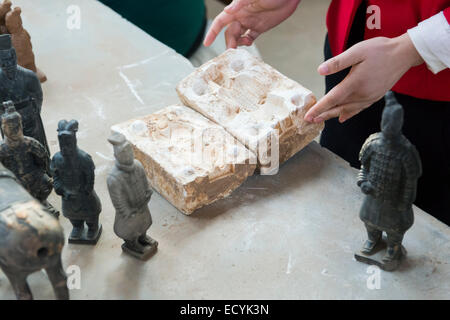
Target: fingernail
[(323, 68), (308, 118)]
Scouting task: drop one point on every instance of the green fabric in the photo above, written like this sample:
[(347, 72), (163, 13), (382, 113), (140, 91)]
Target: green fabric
[(176, 23)]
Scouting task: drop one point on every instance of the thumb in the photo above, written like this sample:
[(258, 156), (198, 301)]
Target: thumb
[(346, 59), (237, 5)]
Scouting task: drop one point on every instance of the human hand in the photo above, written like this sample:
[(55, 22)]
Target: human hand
[(247, 19), (377, 64)]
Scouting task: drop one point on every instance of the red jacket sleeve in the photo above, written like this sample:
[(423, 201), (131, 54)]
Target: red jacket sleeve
[(447, 14)]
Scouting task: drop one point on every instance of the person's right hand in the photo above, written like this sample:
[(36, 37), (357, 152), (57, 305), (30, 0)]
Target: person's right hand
[(247, 19)]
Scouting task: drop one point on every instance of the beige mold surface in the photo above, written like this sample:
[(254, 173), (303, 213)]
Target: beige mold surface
[(254, 102), (190, 160)]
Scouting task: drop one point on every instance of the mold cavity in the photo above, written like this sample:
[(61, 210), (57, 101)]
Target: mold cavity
[(237, 65), (296, 99), (188, 171), (138, 127), (254, 130), (200, 87), (262, 100), (163, 124), (42, 252)]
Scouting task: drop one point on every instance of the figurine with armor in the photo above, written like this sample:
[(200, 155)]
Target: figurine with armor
[(73, 178), (23, 88), (130, 194), (25, 157), (390, 168)]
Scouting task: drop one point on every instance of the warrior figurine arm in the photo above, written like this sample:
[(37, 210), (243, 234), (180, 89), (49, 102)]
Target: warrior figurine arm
[(40, 154), (363, 173), (57, 182), (35, 89), (89, 172), (118, 199), (3, 153), (148, 189), (364, 158), (413, 170)]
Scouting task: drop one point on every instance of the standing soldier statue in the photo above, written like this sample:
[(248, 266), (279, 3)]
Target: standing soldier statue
[(130, 194), (73, 178), (25, 157), (23, 88), (390, 168)]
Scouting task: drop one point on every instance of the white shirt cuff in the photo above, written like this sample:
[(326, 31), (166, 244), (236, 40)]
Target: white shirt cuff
[(432, 40)]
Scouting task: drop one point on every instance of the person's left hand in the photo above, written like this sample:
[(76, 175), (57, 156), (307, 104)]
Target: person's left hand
[(377, 64)]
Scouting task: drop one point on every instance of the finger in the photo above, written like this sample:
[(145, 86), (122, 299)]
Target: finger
[(237, 5), (251, 34), (244, 41), (344, 112), (332, 113), (248, 38), (233, 33), (343, 61), (222, 20), (335, 97)]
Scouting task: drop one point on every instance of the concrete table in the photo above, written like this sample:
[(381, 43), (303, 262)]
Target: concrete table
[(289, 236)]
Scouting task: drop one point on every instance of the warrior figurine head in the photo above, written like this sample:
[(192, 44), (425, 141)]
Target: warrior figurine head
[(8, 57), (12, 123), (123, 151), (67, 137), (392, 121)]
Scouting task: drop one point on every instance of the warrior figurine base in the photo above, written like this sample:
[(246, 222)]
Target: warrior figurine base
[(375, 256), (130, 194), (148, 249), (390, 168), (82, 235)]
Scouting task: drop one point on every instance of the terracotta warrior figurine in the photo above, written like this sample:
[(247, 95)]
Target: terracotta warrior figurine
[(390, 168), (73, 179), (31, 239), (22, 42), (130, 194), (23, 88), (25, 157)]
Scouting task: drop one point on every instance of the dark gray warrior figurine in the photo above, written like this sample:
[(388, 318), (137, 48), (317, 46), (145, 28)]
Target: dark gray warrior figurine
[(130, 194), (21, 86), (30, 239), (390, 168), (25, 157), (73, 179)]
